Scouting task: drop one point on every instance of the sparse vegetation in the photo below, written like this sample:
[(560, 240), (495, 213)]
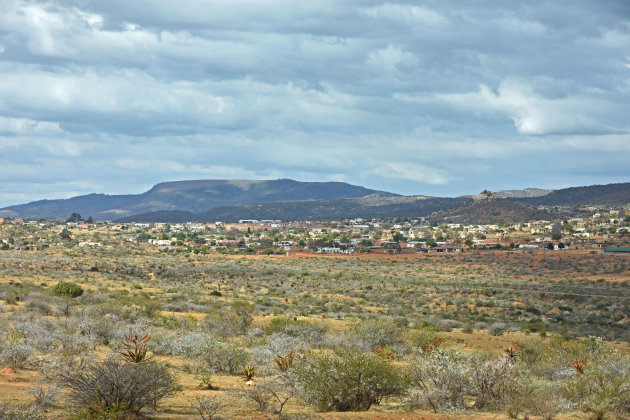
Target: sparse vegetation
[(479, 332)]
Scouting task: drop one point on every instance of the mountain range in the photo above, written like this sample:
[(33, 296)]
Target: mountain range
[(285, 199)]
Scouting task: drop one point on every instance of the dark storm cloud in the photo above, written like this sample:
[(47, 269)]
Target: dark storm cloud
[(432, 97)]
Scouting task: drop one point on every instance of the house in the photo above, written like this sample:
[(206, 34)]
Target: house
[(445, 249), (334, 250), (416, 244)]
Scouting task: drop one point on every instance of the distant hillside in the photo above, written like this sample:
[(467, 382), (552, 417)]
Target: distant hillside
[(211, 200), (488, 208), (371, 206), (526, 193), (187, 196), (606, 195)]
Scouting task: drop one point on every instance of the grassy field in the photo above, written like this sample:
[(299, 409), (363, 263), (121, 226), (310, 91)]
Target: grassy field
[(210, 315)]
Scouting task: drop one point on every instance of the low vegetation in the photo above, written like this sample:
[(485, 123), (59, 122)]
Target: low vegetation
[(128, 331)]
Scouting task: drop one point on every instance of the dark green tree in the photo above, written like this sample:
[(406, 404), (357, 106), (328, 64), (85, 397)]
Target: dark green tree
[(74, 218)]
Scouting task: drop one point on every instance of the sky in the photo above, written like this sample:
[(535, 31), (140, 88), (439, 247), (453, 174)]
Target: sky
[(436, 97)]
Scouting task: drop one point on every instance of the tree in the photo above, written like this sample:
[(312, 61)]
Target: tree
[(74, 218), (398, 236), (556, 236)]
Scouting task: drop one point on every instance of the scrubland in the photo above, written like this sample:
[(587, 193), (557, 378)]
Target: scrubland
[(496, 333)]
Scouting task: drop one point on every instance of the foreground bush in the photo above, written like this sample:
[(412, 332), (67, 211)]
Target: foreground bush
[(601, 386), (111, 384), (347, 381), (441, 381), (66, 289)]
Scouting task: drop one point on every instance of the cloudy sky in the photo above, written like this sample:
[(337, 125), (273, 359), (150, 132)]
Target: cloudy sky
[(414, 97)]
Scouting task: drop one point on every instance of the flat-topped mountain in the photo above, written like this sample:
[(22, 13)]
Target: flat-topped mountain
[(188, 196), (370, 206)]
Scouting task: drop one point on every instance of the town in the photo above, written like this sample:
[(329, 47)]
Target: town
[(607, 231)]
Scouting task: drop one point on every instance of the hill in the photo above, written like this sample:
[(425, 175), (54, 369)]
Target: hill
[(488, 208), (371, 206), (525, 193), (603, 195), (188, 196)]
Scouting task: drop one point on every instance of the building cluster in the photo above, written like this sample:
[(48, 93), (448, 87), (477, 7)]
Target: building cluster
[(608, 231)]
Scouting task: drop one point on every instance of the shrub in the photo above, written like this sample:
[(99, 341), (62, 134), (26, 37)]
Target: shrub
[(114, 412), (16, 355), (8, 412), (347, 381), (422, 338), (441, 380), (497, 329), (207, 406), (226, 358), (130, 307), (66, 289), (603, 387), (100, 330), (110, 384), (285, 323), (230, 321), (490, 378), (379, 333), (258, 394), (45, 396)]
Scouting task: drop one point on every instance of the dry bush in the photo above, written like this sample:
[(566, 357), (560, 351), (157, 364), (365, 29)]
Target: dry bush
[(490, 379), (12, 412), (378, 333), (110, 383), (17, 355), (230, 321), (441, 380), (208, 406), (45, 395), (257, 394)]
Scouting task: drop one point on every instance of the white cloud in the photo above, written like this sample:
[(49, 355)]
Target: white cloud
[(531, 112), (391, 58), (26, 126)]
